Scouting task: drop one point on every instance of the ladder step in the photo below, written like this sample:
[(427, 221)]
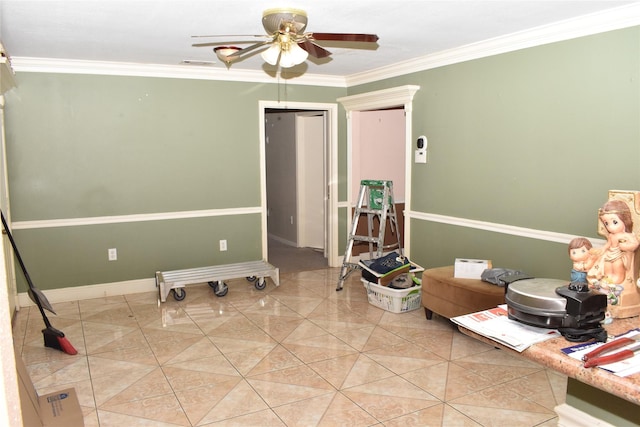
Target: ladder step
[(375, 183), (365, 239), (392, 245), (371, 211)]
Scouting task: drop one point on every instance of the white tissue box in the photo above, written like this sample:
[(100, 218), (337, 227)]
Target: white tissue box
[(470, 268)]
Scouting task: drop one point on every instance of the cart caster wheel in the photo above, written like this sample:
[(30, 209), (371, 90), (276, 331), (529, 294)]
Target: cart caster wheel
[(251, 278), (221, 289), (179, 294), (213, 285), (260, 284)]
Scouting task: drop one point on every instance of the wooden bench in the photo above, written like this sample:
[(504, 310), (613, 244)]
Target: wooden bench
[(167, 281)]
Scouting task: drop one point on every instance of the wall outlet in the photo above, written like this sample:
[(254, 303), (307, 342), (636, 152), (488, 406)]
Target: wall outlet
[(223, 245), (113, 254)]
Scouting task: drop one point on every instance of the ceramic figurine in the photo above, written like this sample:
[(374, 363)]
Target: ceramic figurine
[(613, 273), (614, 262), (583, 257)]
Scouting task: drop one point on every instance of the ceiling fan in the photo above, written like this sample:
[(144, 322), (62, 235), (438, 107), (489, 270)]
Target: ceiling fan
[(286, 42)]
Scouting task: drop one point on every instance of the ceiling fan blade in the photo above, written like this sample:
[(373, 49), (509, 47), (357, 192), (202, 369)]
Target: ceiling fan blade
[(228, 35), (313, 49), (222, 43), (344, 37), (249, 49)]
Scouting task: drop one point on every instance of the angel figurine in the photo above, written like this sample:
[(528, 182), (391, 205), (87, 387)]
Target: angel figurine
[(612, 269)]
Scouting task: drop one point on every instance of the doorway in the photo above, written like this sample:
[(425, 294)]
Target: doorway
[(378, 153), (397, 97), (297, 184)]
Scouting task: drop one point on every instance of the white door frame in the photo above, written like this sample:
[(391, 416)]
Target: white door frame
[(10, 413), (7, 265), (331, 167), (386, 98)]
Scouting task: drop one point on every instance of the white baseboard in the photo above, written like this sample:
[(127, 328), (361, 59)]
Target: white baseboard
[(283, 240), (103, 290), (92, 291), (568, 416)]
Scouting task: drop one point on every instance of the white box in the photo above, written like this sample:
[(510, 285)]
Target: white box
[(470, 268)]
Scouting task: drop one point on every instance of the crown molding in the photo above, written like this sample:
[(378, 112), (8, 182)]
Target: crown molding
[(6, 75), (600, 22), (608, 20), (196, 72), (401, 95)]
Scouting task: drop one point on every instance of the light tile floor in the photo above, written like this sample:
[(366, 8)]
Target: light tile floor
[(300, 354)]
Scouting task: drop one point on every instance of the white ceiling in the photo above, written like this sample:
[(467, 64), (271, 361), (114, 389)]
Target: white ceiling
[(158, 32)]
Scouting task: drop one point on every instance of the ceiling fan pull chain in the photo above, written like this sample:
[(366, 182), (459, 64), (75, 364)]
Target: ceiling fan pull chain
[(286, 98)]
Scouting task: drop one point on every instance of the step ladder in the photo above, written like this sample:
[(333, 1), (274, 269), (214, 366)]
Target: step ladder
[(378, 196)]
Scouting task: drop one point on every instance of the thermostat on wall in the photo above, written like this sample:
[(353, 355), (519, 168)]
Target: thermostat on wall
[(421, 149)]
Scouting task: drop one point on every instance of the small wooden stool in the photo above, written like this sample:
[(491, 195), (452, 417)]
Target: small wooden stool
[(450, 297)]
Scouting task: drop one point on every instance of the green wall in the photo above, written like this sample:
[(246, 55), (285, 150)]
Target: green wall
[(73, 256), (534, 138), (602, 405), (83, 146)]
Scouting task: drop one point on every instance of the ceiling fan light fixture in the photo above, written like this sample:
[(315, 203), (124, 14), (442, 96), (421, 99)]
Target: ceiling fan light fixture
[(294, 55), (223, 53), (272, 54), (273, 20)]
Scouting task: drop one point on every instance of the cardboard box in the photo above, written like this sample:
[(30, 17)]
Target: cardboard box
[(470, 268), (57, 409)]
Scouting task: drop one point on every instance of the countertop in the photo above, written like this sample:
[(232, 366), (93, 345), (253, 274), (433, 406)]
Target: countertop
[(549, 354)]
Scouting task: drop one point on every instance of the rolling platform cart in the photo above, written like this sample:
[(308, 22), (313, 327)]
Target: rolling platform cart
[(175, 281), (378, 196)]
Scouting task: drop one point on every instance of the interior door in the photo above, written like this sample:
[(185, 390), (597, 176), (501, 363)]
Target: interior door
[(311, 178)]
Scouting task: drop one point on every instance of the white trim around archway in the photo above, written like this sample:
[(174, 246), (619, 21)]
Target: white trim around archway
[(386, 98)]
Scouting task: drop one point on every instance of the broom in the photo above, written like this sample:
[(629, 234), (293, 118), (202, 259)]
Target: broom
[(53, 338)]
